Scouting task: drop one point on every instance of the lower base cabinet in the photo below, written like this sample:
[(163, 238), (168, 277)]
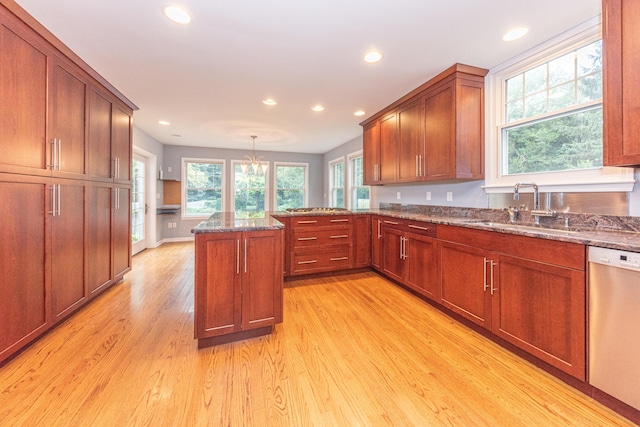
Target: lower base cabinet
[(238, 285), (521, 291)]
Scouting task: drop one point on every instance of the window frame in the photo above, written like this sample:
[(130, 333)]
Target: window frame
[(183, 186), (350, 186), (332, 188), (232, 184), (582, 180), (275, 181)]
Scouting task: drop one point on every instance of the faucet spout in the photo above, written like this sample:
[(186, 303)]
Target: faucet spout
[(536, 194)]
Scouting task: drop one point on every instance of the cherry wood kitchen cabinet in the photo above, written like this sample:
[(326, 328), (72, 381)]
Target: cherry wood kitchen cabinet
[(121, 231), (521, 290), (410, 255), (621, 97), (99, 237), (376, 242), (121, 137), (371, 153), (25, 279), (435, 132), (320, 243), (68, 267), (361, 246), (238, 284)]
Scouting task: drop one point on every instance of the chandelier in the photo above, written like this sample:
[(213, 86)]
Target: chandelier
[(254, 163)]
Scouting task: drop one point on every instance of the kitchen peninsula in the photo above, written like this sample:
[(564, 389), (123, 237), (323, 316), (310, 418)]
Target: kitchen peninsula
[(238, 277)]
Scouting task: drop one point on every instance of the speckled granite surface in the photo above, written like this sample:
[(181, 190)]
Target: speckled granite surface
[(613, 232), (238, 221)]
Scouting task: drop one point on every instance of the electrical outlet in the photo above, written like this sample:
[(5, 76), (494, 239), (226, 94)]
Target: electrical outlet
[(169, 169), (158, 196), (168, 225), (174, 225), (398, 196), (428, 195), (449, 196)]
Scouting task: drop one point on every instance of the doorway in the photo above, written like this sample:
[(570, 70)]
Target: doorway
[(139, 204)]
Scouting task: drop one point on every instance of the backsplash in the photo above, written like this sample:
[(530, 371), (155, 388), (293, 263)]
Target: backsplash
[(576, 221)]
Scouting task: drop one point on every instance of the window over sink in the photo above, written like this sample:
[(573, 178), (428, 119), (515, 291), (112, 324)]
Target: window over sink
[(547, 116)]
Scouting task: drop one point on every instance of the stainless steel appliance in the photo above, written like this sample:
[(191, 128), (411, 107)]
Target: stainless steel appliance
[(614, 323)]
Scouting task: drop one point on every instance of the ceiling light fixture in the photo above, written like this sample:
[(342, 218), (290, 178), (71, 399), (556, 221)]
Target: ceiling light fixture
[(373, 57), (164, 122), (254, 163), (269, 101), (515, 34), (359, 113), (177, 14), (318, 108)]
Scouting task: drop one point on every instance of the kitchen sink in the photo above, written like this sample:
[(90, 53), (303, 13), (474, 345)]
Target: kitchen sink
[(517, 227)]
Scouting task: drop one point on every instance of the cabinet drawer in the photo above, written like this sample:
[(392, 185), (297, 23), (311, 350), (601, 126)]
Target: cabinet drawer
[(320, 221), (309, 262), (321, 236), (416, 227)]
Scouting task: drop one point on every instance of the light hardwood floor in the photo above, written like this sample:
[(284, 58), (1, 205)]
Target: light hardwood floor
[(353, 350)]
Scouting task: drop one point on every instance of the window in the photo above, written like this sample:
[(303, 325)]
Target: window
[(547, 113), (291, 185), (359, 194), (203, 187), (336, 183), (249, 190)]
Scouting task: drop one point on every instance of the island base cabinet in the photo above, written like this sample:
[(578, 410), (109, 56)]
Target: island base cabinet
[(238, 284)]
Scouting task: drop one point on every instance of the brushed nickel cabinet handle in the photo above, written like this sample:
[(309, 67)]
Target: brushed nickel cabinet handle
[(390, 222), (308, 262), (307, 238), (418, 227), (238, 256), (245, 255), (307, 222), (340, 220), (344, 236), (344, 258)]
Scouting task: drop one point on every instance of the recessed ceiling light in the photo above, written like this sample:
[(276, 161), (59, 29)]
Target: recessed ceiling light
[(269, 101), (164, 122), (373, 57), (515, 34), (177, 14), (359, 113), (318, 108)]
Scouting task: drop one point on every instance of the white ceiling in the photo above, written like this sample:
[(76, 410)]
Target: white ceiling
[(209, 78)]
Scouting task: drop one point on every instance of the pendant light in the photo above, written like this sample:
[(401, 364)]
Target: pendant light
[(254, 163)]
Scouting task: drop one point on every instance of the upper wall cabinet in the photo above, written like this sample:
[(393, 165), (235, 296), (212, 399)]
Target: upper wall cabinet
[(621, 38), (435, 132)]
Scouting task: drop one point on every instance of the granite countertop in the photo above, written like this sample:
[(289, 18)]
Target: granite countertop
[(593, 230), (238, 221)]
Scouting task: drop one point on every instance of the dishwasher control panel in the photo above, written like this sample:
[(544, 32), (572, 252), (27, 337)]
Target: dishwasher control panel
[(615, 258)]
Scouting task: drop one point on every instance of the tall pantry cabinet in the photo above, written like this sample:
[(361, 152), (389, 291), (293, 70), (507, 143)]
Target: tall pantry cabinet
[(65, 181)]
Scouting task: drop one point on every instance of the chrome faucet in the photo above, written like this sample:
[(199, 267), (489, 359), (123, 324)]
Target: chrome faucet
[(536, 212)]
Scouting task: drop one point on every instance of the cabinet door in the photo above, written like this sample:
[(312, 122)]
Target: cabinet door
[(388, 149), (23, 270), (100, 161), (422, 265), (68, 289), (541, 309), (67, 118), (392, 248), (121, 143), (262, 279), (121, 232), (218, 284), (371, 153), (410, 142), (99, 250), (361, 246), (462, 277), (621, 103), (23, 100), (376, 242), (439, 133)]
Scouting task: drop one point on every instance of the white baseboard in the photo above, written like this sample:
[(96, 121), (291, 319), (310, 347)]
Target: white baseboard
[(175, 240)]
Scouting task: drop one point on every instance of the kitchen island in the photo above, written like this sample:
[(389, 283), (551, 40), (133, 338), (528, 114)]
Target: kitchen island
[(238, 276)]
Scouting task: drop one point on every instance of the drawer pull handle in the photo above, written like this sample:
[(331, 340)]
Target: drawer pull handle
[(307, 238), (340, 220), (308, 262), (390, 222), (344, 258), (344, 236), (418, 227), (307, 222)]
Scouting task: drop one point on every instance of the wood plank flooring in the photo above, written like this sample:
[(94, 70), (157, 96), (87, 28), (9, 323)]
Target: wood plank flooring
[(353, 350)]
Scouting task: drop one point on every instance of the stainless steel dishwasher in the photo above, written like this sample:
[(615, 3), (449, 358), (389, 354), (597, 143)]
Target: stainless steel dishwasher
[(614, 323)]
